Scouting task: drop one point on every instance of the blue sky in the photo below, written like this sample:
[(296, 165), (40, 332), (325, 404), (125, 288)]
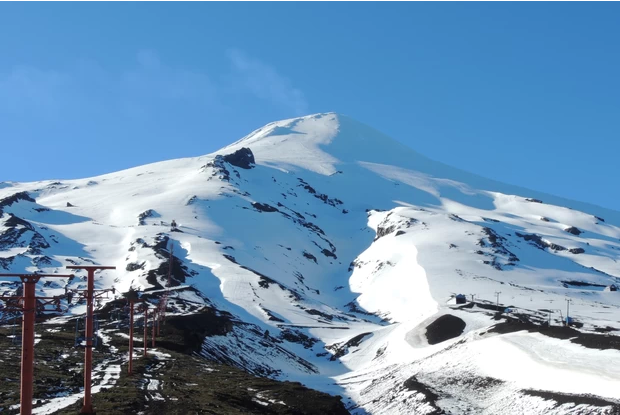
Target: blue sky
[(525, 93)]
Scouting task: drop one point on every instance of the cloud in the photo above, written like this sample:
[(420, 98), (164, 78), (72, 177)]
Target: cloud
[(146, 89), (266, 83), (154, 78), (153, 81)]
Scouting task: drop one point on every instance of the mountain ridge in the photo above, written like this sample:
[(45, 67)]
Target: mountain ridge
[(334, 259), (356, 125)]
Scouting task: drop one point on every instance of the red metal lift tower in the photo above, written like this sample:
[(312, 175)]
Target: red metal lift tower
[(145, 308), (133, 297), (87, 408), (27, 304), (154, 328)]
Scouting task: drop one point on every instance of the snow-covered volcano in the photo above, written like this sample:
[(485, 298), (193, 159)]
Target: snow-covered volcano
[(339, 255)]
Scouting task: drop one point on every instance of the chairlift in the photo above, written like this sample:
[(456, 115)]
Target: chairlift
[(39, 309), (68, 295), (95, 330), (15, 339), (79, 338), (118, 315)]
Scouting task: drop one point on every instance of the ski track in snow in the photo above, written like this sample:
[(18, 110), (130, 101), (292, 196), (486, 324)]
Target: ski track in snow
[(107, 373), (154, 386)]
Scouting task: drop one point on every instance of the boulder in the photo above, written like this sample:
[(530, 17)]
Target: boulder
[(243, 158)]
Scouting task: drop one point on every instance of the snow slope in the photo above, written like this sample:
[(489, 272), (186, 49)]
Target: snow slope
[(349, 247)]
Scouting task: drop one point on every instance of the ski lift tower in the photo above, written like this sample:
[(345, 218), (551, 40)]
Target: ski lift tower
[(133, 297), (87, 408), (27, 304)]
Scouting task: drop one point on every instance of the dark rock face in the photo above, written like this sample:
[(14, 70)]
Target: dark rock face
[(326, 199), (387, 226), (444, 328), (341, 349), (43, 261), (8, 201), (314, 312), (564, 398), (14, 221), (310, 256), (219, 170), (272, 317), (534, 200), (134, 266), (566, 284), (230, 258), (6, 262), (498, 247), (493, 237), (178, 272), (588, 340), (296, 336), (381, 232), (539, 242), (535, 239), (16, 235), (430, 396), (37, 244), (576, 250), (243, 158), (573, 230), (150, 213), (264, 207), (195, 327), (556, 247)]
